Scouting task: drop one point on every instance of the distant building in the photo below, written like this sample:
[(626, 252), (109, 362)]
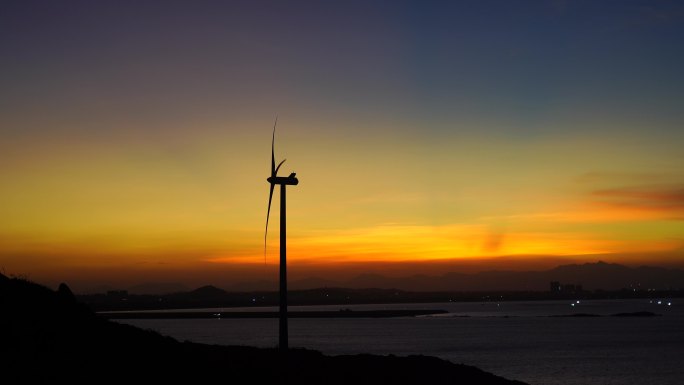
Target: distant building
[(557, 287)]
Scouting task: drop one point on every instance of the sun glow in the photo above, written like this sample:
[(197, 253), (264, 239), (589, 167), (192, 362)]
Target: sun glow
[(403, 243)]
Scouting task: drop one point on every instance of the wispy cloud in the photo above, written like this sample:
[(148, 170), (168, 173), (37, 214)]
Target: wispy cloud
[(666, 201), (620, 204), (611, 177)]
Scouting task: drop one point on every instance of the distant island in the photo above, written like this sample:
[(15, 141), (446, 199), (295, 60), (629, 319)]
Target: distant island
[(51, 338), (590, 276), (587, 281)]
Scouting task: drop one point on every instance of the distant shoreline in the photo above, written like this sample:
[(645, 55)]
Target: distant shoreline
[(69, 344), (122, 301), (342, 313)]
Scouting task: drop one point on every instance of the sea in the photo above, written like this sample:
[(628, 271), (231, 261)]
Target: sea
[(522, 340)]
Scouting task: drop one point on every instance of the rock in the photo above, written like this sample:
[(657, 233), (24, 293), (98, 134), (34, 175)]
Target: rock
[(65, 292)]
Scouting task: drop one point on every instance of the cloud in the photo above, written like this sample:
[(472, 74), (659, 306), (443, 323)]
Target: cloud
[(594, 177), (493, 242), (668, 201), (639, 203)]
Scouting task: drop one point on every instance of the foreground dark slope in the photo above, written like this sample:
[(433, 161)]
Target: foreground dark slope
[(50, 338)]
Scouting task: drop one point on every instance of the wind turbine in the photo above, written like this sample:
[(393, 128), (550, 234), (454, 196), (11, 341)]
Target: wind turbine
[(274, 179)]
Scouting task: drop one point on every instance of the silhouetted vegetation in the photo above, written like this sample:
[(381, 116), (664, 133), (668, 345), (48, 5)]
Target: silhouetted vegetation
[(51, 338)]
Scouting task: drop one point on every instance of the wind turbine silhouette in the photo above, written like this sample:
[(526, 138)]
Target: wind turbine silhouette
[(274, 179)]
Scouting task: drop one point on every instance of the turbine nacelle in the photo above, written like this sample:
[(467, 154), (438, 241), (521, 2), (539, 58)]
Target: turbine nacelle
[(283, 180)]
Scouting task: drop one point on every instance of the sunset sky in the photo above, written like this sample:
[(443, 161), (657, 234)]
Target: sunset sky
[(427, 137)]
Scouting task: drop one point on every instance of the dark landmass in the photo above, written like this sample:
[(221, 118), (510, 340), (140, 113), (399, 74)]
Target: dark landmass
[(343, 313), (636, 314), (48, 337), (157, 288), (212, 297), (592, 276), (632, 314), (615, 282)]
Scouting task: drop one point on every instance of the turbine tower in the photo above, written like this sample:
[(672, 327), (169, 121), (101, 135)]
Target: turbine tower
[(274, 179)]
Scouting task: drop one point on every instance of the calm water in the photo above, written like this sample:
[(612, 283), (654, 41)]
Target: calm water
[(512, 339)]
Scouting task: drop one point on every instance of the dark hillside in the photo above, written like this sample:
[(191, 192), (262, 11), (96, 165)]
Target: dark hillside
[(50, 338)]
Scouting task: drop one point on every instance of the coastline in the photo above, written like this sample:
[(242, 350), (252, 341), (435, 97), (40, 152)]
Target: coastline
[(342, 313), (51, 338)]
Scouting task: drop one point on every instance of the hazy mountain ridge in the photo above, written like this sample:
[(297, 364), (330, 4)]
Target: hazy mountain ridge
[(599, 281), (158, 288), (592, 276)]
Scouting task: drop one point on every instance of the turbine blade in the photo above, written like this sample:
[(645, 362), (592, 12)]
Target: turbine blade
[(268, 214), (278, 168), (273, 166)]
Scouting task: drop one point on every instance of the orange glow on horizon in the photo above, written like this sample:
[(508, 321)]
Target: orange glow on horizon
[(197, 202), (397, 243)]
